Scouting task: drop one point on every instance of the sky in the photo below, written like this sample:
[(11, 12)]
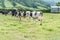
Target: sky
[(52, 0), (57, 0)]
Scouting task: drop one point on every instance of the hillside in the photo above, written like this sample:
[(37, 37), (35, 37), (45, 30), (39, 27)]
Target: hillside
[(24, 4)]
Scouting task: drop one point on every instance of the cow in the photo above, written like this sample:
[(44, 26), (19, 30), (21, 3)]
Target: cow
[(28, 14), (12, 11), (37, 15), (22, 14), (1, 11), (4, 11)]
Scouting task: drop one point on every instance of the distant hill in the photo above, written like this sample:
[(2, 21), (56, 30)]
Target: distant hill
[(24, 4)]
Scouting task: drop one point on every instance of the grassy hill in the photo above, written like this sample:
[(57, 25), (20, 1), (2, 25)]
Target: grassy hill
[(26, 4)]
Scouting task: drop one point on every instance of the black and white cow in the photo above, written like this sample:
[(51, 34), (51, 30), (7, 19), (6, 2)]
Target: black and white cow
[(4, 11), (37, 15), (28, 14), (14, 12)]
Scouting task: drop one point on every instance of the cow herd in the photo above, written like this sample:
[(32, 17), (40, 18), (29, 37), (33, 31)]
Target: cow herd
[(29, 14)]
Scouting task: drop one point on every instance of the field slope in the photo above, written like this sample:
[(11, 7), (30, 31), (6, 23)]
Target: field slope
[(12, 29), (34, 4)]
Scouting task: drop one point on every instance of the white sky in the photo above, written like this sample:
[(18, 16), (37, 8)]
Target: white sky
[(52, 0)]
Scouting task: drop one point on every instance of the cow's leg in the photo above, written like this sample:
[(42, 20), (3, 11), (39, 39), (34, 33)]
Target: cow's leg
[(6, 14), (28, 18), (12, 14), (20, 18), (33, 20), (40, 22), (17, 13), (40, 19)]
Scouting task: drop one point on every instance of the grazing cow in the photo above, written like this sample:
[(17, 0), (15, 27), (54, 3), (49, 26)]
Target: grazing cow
[(14, 12), (28, 14), (5, 11), (1, 11), (35, 15), (38, 15), (22, 14)]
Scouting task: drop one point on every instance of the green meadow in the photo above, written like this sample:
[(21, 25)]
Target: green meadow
[(11, 28)]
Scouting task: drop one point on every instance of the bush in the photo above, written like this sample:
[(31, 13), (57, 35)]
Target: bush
[(46, 11)]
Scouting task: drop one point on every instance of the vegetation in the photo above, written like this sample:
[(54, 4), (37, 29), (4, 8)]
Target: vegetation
[(11, 28), (25, 4), (58, 3)]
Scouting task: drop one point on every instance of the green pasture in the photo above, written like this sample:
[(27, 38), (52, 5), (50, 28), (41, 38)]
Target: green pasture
[(11, 28)]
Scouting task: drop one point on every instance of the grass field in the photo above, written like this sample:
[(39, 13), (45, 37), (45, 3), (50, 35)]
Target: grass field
[(12, 29)]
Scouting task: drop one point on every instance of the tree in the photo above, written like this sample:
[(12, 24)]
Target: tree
[(58, 3)]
